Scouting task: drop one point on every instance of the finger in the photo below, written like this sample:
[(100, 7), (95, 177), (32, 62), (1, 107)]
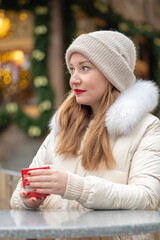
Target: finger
[(32, 199), (42, 198), (23, 193), (40, 172), (36, 200), (45, 191), (33, 202), (41, 185), (39, 178)]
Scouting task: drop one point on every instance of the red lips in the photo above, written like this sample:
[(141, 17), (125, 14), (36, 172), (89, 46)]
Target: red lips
[(78, 91)]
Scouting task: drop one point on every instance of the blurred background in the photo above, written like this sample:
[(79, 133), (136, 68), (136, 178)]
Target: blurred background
[(33, 77)]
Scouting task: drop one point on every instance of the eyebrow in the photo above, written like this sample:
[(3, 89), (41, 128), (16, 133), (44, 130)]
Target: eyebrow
[(82, 62)]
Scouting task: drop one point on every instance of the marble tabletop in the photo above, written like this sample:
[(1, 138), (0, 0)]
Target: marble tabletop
[(76, 223)]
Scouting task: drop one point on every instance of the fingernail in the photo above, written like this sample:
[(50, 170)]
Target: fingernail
[(24, 193), (29, 173), (28, 184), (35, 189), (26, 179), (33, 200)]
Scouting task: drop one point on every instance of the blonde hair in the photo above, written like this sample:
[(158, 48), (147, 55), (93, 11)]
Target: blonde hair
[(73, 122)]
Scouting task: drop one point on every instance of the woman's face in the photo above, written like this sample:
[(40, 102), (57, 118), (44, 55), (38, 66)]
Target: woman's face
[(88, 83)]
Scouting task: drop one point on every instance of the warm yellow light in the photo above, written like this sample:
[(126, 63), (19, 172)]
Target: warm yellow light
[(7, 79), (5, 57), (4, 26), (23, 16), (23, 84), (18, 57)]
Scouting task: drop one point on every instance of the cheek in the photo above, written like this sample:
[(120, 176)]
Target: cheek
[(70, 83), (101, 89), (100, 93), (101, 85)]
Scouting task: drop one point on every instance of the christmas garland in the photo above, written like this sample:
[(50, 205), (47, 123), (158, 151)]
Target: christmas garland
[(12, 111), (98, 9)]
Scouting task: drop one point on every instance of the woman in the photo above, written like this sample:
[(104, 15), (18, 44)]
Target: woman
[(103, 148)]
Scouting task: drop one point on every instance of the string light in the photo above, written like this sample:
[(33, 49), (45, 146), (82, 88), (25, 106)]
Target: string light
[(40, 81), (25, 121), (17, 56), (123, 27), (157, 42), (41, 10), (34, 131), (38, 55), (12, 107), (45, 105), (101, 6), (7, 79), (4, 27), (42, 29), (23, 2), (23, 16)]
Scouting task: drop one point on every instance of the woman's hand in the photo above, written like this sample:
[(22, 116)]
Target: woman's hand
[(31, 202), (47, 181)]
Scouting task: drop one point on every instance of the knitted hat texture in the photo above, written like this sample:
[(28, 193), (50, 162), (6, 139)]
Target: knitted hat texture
[(111, 52)]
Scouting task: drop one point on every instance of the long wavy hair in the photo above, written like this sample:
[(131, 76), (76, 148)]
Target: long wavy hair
[(74, 120)]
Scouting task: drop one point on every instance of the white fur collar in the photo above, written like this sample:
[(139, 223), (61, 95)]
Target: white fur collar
[(131, 106), (53, 125), (128, 109)]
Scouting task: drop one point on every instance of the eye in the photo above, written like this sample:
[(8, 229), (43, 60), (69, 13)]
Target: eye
[(85, 68), (71, 70)]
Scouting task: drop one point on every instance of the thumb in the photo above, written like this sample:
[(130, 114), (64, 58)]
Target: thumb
[(23, 193)]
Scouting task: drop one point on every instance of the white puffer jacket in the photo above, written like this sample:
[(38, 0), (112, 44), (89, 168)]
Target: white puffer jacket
[(134, 183)]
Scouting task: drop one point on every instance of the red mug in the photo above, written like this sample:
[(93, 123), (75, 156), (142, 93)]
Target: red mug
[(29, 189)]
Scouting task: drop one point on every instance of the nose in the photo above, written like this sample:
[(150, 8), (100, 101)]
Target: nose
[(75, 79)]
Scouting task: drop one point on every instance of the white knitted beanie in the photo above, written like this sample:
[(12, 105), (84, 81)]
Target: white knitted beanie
[(111, 52)]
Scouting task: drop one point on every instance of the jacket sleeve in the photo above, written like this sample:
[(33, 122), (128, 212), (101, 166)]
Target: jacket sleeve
[(38, 161), (142, 190)]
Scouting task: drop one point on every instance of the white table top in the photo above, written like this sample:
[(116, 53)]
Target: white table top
[(74, 223)]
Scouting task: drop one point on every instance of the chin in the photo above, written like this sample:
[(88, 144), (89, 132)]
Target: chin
[(82, 103), (79, 101)]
